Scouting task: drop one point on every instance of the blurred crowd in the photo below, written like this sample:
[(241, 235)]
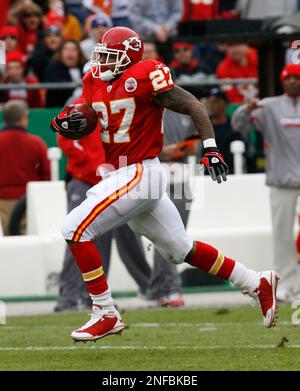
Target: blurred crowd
[(52, 40)]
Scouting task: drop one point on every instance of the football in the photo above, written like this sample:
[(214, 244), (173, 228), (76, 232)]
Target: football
[(89, 114)]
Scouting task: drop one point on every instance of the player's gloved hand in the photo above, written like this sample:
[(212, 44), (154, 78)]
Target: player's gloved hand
[(215, 164), (69, 124)]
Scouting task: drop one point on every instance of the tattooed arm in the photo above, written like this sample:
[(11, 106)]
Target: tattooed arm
[(179, 100)]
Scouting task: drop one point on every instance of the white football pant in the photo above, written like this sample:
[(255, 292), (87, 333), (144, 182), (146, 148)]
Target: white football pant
[(136, 195)]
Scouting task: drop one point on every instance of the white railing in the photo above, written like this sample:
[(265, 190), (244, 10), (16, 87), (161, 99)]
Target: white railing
[(71, 85)]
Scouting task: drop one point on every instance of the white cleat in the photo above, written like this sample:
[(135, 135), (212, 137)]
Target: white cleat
[(265, 293), (101, 324)]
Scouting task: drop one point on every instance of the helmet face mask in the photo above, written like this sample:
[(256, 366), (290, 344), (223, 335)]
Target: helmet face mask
[(107, 63), (119, 49)]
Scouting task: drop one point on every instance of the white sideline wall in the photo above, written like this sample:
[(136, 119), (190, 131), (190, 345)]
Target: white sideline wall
[(233, 216), (29, 265), (236, 218), (46, 207)]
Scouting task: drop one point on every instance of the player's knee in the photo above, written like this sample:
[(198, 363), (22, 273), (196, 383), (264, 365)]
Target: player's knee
[(66, 229), (70, 231), (173, 258), (177, 250)]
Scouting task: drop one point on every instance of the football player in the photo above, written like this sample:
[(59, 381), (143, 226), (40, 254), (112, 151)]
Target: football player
[(130, 96)]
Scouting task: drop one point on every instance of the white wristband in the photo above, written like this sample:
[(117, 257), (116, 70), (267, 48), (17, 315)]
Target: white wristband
[(209, 142)]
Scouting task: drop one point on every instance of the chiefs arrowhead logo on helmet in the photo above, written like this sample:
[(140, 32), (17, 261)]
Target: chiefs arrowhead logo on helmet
[(132, 43), (119, 49)]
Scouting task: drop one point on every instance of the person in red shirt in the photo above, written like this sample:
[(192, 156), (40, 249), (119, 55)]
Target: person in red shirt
[(15, 73), (4, 11), (208, 10), (200, 10), (23, 158), (30, 24), (10, 35), (130, 96), (66, 66), (239, 63)]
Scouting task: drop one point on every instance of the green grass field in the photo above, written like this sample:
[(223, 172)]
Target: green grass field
[(197, 339)]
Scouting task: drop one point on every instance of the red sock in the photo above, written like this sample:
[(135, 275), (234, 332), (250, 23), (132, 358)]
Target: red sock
[(89, 262), (210, 260)]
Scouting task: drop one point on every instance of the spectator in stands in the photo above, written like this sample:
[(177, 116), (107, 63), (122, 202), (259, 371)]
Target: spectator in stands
[(97, 25), (157, 20), (240, 62), (58, 15), (278, 118), (30, 25), (24, 154), (257, 9), (212, 55), (184, 62), (66, 66), (15, 73), (117, 10), (216, 104), (44, 51), (76, 8), (83, 159), (199, 10), (165, 283), (120, 13), (208, 10), (55, 13), (98, 6), (9, 35), (150, 51)]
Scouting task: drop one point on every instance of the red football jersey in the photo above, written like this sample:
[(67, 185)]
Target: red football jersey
[(131, 123)]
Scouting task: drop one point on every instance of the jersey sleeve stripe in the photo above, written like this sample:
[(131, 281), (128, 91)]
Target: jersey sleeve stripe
[(167, 88)]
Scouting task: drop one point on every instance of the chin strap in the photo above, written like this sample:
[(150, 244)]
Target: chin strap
[(107, 75)]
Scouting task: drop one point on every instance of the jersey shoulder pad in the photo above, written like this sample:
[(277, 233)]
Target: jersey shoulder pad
[(154, 75), (87, 78), (143, 68)]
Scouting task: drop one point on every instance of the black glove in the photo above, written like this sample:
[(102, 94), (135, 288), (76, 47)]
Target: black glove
[(69, 125), (215, 164)]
